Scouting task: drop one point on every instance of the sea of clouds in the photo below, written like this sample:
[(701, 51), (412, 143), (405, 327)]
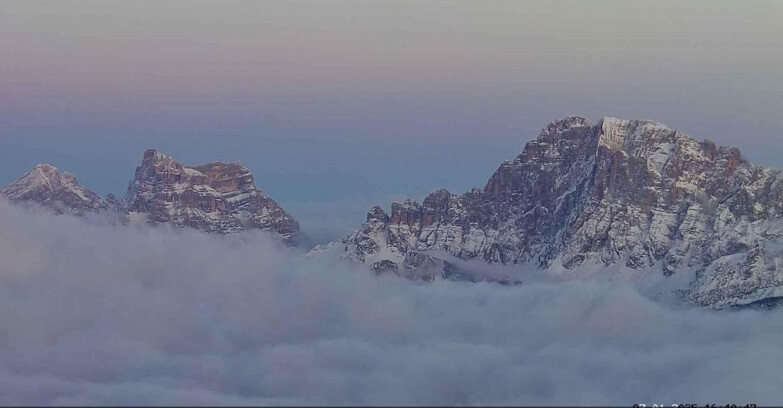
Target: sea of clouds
[(94, 313)]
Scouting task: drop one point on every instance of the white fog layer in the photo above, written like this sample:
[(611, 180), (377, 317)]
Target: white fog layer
[(93, 313)]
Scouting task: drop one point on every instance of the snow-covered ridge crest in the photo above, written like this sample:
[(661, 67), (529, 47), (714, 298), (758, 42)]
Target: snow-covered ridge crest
[(53, 189), (628, 192), (557, 127)]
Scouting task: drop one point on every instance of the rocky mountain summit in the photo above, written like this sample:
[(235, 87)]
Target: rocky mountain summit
[(629, 192), (214, 197), (58, 191)]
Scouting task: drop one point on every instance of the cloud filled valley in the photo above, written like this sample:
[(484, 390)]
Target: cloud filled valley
[(94, 313), (391, 203)]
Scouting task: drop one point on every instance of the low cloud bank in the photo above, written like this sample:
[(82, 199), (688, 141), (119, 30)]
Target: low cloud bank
[(92, 313)]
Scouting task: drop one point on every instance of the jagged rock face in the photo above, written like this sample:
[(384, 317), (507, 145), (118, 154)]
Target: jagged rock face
[(622, 191), (55, 190), (215, 197)]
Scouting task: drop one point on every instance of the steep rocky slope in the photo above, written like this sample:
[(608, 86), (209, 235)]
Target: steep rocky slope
[(61, 192), (214, 197), (632, 192)]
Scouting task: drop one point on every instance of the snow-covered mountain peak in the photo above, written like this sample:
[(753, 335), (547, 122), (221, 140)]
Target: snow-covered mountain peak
[(156, 156), (214, 197), (628, 192), (49, 175), (557, 127), (377, 213), (626, 135), (45, 168), (47, 186)]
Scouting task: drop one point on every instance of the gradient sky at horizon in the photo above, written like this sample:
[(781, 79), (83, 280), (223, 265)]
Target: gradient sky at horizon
[(339, 105)]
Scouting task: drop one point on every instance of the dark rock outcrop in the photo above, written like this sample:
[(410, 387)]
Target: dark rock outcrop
[(214, 197)]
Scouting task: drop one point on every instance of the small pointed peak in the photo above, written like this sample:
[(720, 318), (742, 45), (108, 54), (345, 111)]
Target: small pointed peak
[(561, 125), (377, 213), (439, 196), (408, 204), (157, 159), (50, 172), (41, 172), (156, 156), (45, 167), (48, 186)]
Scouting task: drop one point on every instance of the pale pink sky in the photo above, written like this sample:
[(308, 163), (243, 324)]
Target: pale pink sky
[(334, 101)]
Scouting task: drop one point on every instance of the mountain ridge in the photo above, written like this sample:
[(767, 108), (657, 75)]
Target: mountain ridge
[(621, 191), (214, 197), (632, 193)]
